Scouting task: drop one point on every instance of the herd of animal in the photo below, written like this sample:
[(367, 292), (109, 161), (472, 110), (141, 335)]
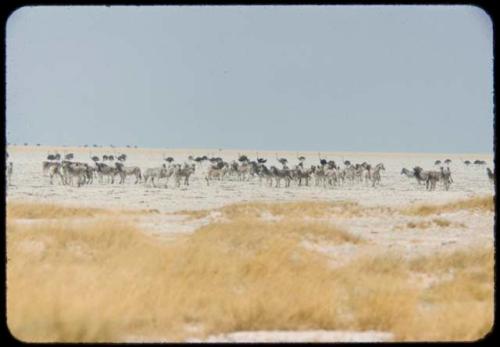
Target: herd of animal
[(107, 168)]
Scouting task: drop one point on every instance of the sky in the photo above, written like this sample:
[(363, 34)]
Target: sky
[(308, 78)]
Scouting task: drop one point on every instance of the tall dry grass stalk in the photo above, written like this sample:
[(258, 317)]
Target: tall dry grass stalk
[(102, 281)]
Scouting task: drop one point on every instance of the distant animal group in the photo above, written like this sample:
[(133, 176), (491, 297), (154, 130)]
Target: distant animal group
[(431, 177), (327, 173)]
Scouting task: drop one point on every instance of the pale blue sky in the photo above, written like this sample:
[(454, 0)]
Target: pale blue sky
[(327, 78)]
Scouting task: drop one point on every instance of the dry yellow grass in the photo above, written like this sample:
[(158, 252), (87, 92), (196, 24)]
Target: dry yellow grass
[(485, 203), (290, 210), (103, 280), (35, 210)]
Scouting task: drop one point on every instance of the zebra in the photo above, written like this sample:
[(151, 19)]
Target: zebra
[(217, 170), (302, 174), (330, 176), (90, 172), (281, 174), (46, 165), (158, 172), (71, 170), (264, 172), (420, 175), (54, 170), (446, 177), (430, 177), (243, 170), (376, 174), (319, 174), (368, 171), (125, 171), (407, 173), (491, 175), (106, 170), (183, 172), (411, 174)]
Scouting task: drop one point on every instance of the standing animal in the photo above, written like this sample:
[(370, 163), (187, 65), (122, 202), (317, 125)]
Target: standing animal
[(55, 170), (446, 177), (429, 177), (420, 175), (264, 172), (217, 170), (281, 174), (300, 174), (183, 172), (72, 170), (376, 174), (129, 171), (152, 173), (104, 170), (407, 173)]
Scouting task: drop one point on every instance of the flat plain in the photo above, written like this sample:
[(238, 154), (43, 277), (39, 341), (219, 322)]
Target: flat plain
[(245, 261)]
